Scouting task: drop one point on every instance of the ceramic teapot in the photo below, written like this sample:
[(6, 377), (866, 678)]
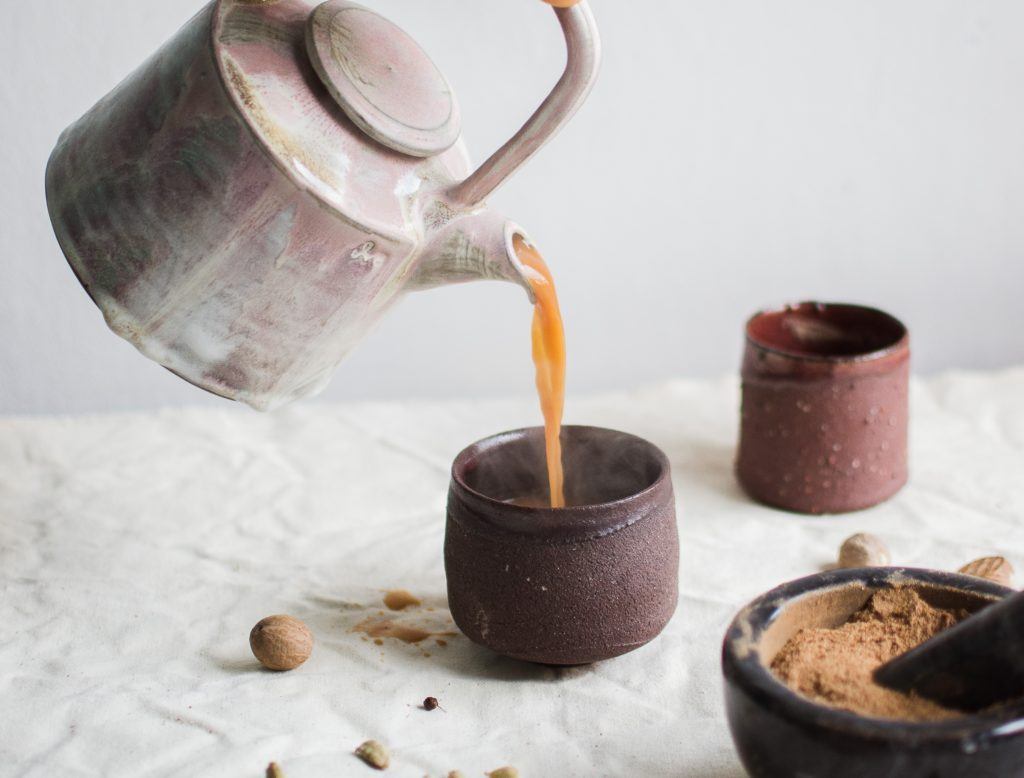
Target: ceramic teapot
[(246, 204)]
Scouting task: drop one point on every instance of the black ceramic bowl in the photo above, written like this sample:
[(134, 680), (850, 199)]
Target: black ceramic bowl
[(562, 586), (779, 733)]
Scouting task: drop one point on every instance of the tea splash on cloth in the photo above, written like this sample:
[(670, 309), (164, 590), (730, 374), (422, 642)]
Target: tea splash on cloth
[(835, 666), (400, 599), (388, 628)]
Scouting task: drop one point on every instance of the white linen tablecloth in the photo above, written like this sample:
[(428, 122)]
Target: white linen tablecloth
[(138, 549)]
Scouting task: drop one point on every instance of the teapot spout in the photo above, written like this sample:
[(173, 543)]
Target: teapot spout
[(469, 247)]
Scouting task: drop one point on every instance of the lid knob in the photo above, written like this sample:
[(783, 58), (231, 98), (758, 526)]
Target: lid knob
[(383, 81)]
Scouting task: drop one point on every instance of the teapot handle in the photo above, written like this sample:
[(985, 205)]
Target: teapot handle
[(584, 57)]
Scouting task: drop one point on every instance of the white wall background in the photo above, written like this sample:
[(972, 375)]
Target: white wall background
[(735, 153)]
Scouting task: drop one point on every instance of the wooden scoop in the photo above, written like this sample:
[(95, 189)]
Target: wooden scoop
[(970, 666)]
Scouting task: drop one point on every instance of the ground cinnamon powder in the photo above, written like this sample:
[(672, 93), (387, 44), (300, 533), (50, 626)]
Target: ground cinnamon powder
[(835, 666)]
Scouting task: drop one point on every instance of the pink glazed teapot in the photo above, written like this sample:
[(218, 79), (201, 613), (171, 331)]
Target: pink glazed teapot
[(247, 203)]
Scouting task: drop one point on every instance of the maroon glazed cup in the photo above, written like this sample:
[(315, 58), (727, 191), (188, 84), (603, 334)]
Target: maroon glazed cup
[(564, 586), (824, 419)]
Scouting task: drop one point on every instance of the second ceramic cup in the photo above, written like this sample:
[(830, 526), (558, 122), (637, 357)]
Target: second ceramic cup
[(563, 586), (824, 419)]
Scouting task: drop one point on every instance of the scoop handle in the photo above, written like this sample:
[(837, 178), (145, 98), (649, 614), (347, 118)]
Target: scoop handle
[(970, 666), (584, 59)]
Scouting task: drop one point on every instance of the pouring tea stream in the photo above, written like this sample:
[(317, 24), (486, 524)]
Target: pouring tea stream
[(247, 203)]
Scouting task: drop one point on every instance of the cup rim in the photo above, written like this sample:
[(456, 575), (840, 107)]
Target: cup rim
[(743, 668), (596, 518), (900, 345)]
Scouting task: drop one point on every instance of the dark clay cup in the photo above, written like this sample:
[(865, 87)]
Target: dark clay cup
[(563, 586), (824, 419), (779, 733)]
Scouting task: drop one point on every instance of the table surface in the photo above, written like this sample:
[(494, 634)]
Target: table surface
[(137, 550)]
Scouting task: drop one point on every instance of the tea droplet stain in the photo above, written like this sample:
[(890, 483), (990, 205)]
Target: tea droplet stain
[(441, 642), (378, 642), (386, 628), (400, 599)]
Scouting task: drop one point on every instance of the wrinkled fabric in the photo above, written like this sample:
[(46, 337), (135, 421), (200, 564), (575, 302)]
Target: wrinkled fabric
[(137, 551)]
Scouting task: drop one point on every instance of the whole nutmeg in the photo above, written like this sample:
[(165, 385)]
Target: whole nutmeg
[(994, 568), (281, 642), (863, 550), (274, 770)]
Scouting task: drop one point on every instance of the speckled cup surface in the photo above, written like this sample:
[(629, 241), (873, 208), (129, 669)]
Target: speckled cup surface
[(563, 586), (780, 734), (825, 408)]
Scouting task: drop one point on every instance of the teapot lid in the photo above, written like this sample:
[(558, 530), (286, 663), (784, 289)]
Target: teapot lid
[(383, 81)]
